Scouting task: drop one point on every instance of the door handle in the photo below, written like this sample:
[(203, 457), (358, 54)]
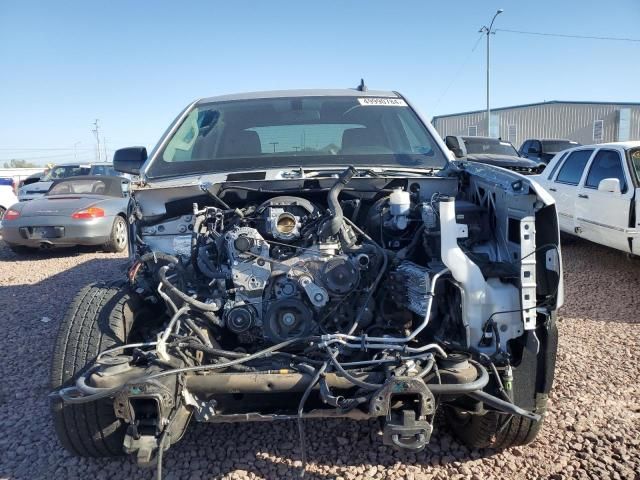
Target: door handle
[(553, 189), (582, 195)]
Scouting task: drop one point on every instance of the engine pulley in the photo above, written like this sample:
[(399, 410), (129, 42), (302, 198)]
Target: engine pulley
[(340, 276), (240, 319), (286, 319)]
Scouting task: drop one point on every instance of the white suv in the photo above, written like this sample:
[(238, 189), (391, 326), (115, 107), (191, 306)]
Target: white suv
[(597, 191)]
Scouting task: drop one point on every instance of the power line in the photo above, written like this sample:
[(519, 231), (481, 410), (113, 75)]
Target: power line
[(31, 149), (458, 72), (563, 35), (41, 157)]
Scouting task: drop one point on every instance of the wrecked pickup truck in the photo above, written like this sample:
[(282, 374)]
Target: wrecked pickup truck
[(305, 254)]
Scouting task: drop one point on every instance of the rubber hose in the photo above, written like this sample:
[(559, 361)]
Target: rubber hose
[(183, 296), (333, 225), (460, 388), (351, 378)]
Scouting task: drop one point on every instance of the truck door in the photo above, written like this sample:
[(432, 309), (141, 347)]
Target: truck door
[(602, 214), (634, 167), (564, 187)]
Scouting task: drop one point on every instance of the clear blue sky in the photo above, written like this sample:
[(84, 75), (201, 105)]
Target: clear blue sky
[(135, 65)]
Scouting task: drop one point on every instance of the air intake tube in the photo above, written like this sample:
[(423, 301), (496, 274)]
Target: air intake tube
[(332, 226)]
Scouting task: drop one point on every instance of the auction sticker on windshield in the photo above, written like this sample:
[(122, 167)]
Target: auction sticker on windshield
[(385, 102)]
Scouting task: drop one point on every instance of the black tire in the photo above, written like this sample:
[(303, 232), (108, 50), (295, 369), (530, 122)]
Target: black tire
[(119, 236), (100, 317), (495, 430), (532, 381)]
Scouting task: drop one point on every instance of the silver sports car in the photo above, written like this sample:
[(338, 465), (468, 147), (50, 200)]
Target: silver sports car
[(84, 210)]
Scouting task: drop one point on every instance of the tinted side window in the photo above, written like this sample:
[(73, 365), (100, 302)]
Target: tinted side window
[(557, 165), (634, 155), (572, 169), (536, 145), (524, 148), (606, 164)]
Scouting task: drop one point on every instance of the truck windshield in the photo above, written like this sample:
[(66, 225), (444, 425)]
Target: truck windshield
[(64, 171), (489, 146), (297, 132), (555, 146)]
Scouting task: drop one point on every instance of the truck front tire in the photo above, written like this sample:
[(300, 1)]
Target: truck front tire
[(532, 381), (100, 317), (495, 430)]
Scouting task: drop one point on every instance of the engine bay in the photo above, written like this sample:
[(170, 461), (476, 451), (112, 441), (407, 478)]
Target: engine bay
[(292, 266), (353, 295)]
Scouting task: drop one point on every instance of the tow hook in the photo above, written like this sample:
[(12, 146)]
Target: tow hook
[(407, 406), (144, 446), (404, 431)]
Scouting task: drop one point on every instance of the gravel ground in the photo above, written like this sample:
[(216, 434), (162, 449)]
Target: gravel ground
[(592, 429)]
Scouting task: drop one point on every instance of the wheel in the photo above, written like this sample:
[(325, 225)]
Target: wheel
[(533, 372), (100, 317), (495, 430), (119, 235)]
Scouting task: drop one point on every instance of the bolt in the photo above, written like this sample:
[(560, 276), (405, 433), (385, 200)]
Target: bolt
[(288, 319)]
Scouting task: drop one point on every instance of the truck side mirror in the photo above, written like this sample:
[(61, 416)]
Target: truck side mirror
[(533, 151), (453, 145), (458, 152), (610, 185), (129, 160)]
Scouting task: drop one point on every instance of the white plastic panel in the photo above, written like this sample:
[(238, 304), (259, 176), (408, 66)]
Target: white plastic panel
[(528, 271)]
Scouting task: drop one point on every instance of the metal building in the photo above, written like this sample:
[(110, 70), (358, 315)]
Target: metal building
[(583, 122)]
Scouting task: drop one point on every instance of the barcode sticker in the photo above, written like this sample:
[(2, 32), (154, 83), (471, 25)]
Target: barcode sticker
[(384, 102)]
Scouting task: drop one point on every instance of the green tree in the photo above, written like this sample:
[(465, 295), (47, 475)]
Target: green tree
[(14, 163)]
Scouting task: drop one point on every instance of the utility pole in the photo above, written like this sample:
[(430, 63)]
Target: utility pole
[(104, 145), (489, 31), (75, 151), (96, 132)]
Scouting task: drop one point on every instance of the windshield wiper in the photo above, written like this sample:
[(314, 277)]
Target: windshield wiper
[(409, 171)]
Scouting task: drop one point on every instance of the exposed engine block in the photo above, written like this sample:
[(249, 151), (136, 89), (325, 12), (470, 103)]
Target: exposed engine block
[(287, 296)]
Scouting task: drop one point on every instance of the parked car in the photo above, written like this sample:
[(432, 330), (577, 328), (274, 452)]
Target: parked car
[(313, 253), (7, 195), (83, 210), (543, 150), (19, 174), (31, 179), (491, 151), (597, 192), (67, 170)]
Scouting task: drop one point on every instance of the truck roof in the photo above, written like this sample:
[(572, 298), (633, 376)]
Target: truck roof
[(343, 92)]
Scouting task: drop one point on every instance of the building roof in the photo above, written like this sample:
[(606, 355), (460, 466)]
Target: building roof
[(342, 92), (551, 102)]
